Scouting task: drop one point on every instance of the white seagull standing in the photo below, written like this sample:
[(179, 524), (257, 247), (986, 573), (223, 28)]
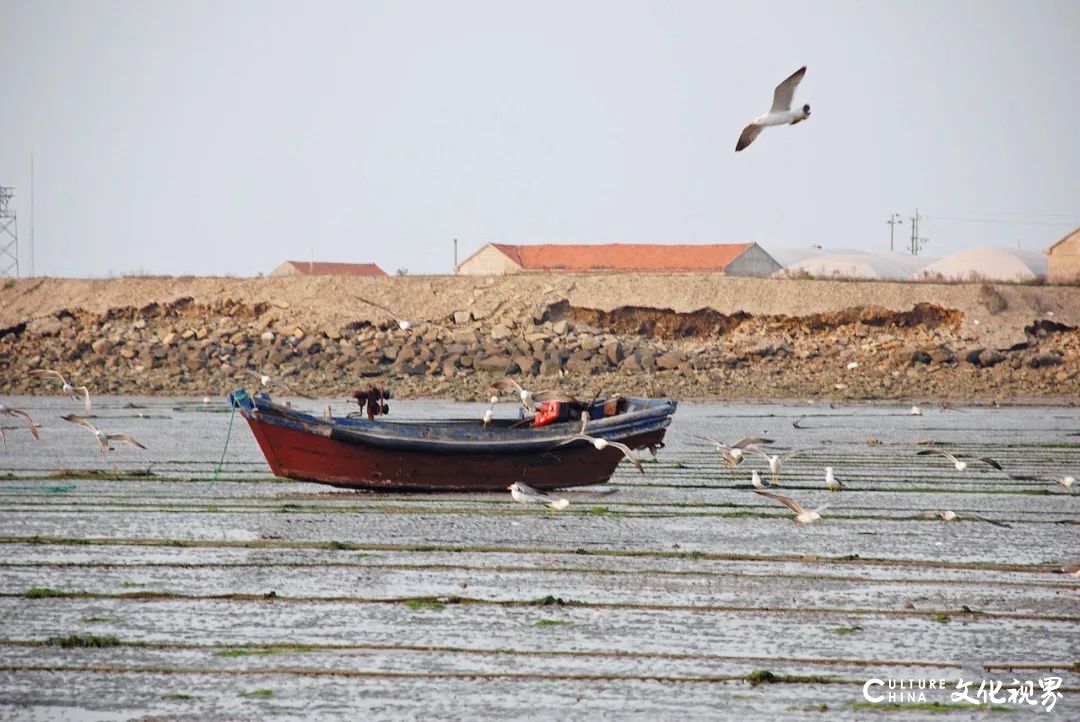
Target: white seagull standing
[(67, 387), (802, 516), (102, 437), (831, 482), (780, 113), (525, 494), (489, 414), (755, 479)]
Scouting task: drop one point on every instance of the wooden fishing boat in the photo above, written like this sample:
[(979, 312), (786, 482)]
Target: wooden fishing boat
[(448, 455)]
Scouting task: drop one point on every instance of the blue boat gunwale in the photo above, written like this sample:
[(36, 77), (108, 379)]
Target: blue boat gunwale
[(458, 436)]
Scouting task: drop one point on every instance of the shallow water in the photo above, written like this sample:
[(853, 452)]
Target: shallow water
[(231, 594)]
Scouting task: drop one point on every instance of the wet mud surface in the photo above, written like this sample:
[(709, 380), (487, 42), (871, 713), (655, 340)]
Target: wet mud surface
[(148, 584)]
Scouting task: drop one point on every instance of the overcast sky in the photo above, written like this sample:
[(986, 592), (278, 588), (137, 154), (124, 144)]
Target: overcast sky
[(225, 137)]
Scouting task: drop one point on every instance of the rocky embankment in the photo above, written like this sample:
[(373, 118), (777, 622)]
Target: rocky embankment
[(711, 337)]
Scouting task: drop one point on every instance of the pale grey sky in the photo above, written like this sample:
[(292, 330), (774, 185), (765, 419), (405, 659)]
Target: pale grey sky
[(225, 137)]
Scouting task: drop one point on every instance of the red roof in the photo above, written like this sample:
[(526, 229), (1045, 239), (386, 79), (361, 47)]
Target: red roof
[(320, 268), (624, 256)]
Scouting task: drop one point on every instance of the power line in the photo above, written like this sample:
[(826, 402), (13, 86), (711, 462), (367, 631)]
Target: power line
[(1004, 222)]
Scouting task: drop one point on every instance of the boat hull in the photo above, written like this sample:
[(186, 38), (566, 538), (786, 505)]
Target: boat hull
[(308, 449)]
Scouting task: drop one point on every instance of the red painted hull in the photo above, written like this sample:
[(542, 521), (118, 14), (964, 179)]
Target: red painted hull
[(296, 454)]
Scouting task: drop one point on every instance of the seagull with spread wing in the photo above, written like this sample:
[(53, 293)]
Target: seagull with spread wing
[(776, 462), (733, 453), (525, 494), (102, 438), (802, 516), (780, 113), (270, 383), (600, 444), (949, 515), (6, 410), (402, 323), (1018, 477), (960, 465), (67, 387)]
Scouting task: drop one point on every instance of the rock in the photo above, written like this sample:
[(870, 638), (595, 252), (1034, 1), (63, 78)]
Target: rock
[(496, 364), (550, 366), (559, 328), (988, 358), (613, 352), (589, 343), (462, 317), (670, 360), (48, 327), (139, 324), (1044, 360), (920, 357), (972, 355), (101, 346)]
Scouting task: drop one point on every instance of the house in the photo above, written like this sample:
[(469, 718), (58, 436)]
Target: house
[(320, 268), (1064, 259), (733, 259)]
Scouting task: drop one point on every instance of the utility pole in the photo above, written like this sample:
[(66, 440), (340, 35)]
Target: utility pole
[(9, 235), (893, 220), (916, 243), (31, 215), (455, 257)]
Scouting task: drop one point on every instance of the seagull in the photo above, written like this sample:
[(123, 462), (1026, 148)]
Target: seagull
[(802, 516), (949, 515), (489, 414), (733, 453), (780, 113), (960, 465), (8, 411), (831, 482), (402, 323), (601, 444), (755, 479), (1019, 477), (508, 384), (67, 387), (524, 494), (852, 365), (1066, 482), (102, 437), (271, 383), (915, 411), (776, 463)]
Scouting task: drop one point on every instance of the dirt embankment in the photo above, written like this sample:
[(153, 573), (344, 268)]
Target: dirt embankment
[(674, 334)]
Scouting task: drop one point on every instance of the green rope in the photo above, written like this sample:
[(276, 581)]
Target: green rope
[(228, 436)]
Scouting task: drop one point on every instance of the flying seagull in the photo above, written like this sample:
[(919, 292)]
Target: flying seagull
[(525, 494), (271, 383), (949, 515), (601, 444), (102, 437), (733, 453), (402, 323), (776, 462), (67, 387), (960, 465), (1066, 482), (802, 516), (1019, 477), (8, 411), (780, 113)]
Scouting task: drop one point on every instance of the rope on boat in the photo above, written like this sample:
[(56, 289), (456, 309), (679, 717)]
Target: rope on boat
[(228, 436)]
